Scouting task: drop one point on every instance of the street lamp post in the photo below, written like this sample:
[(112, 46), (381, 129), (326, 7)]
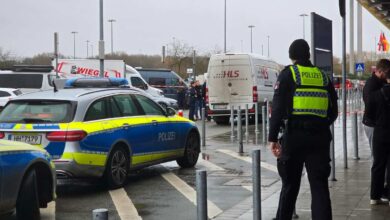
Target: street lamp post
[(101, 40), (74, 43), (87, 47), (268, 44), (251, 27), (225, 29), (112, 36), (303, 20)]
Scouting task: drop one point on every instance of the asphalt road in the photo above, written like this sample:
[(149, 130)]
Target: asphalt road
[(165, 191)]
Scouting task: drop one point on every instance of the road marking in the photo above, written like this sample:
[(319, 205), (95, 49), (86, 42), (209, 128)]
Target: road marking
[(123, 204), (210, 166), (249, 188), (49, 213), (265, 165), (190, 193)]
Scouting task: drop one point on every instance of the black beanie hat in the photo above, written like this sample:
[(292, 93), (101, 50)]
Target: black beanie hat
[(299, 50)]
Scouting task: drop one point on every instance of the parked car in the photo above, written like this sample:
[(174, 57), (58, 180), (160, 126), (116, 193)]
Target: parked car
[(27, 179), (337, 83), (100, 131), (28, 78), (7, 94), (113, 82)]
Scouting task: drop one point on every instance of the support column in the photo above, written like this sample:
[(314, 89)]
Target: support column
[(351, 37), (359, 33)]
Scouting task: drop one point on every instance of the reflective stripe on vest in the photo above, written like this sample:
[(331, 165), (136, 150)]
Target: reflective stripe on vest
[(310, 96)]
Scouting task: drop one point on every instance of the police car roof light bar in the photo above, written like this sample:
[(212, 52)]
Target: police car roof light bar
[(96, 82)]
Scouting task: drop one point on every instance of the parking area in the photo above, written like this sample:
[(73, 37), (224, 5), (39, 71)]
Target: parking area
[(167, 191)]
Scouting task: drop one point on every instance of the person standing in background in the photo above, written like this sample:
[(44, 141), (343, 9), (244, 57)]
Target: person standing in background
[(192, 101), (374, 83), (181, 94), (378, 112)]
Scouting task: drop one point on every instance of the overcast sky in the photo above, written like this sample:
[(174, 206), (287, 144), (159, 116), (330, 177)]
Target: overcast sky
[(143, 26)]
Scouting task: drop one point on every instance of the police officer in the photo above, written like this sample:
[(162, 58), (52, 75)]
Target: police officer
[(306, 102)]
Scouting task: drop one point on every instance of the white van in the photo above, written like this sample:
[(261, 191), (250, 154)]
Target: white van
[(238, 79), (69, 68), (28, 78)]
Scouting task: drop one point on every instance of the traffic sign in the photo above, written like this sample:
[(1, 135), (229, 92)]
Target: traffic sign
[(359, 67), (190, 70)]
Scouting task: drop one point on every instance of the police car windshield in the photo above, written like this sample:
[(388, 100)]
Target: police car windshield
[(37, 112)]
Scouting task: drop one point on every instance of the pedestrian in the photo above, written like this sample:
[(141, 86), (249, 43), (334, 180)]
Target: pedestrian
[(181, 94), (192, 101), (306, 102), (374, 83), (378, 110)]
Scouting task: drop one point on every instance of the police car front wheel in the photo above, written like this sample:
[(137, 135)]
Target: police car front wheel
[(117, 168), (191, 152), (27, 203)]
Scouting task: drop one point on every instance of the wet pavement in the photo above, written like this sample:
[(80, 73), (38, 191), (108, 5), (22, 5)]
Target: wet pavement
[(349, 194), (167, 192)]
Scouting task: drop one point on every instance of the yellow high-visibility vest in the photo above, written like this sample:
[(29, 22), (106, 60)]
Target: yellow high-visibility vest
[(311, 96)]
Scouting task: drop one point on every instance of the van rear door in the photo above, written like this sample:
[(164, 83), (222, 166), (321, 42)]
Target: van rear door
[(229, 81)]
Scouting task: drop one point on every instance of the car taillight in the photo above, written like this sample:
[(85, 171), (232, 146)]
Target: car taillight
[(2, 135), (66, 135), (254, 93), (207, 95)]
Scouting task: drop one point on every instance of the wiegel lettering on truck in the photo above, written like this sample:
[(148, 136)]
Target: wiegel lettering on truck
[(68, 68)]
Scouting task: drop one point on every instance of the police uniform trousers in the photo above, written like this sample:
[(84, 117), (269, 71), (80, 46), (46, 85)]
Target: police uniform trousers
[(381, 162), (307, 147)]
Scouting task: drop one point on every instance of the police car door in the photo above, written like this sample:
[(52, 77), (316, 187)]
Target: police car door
[(136, 128), (164, 132)]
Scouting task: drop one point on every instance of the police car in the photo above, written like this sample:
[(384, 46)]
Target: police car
[(27, 179), (94, 128)]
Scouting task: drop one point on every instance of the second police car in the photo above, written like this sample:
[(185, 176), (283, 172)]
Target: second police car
[(100, 132)]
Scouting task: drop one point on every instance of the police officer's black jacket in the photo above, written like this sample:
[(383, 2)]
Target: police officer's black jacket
[(282, 103), (372, 84), (378, 108)]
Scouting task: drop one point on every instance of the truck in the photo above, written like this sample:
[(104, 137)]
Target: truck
[(239, 79), (69, 68)]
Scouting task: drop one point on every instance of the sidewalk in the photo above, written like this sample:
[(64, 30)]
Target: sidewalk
[(350, 194)]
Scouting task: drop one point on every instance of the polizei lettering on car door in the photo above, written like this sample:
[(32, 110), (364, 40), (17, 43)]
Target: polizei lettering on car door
[(166, 136)]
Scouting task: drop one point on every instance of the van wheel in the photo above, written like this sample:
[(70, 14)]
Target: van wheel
[(191, 151), (117, 168), (221, 120), (27, 203)]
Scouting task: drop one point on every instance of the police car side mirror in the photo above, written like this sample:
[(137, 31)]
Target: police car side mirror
[(170, 111)]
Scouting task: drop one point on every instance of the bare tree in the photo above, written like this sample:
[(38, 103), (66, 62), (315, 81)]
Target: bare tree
[(177, 53)]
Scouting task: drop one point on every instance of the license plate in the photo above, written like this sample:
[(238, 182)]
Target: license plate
[(218, 107), (29, 139)]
